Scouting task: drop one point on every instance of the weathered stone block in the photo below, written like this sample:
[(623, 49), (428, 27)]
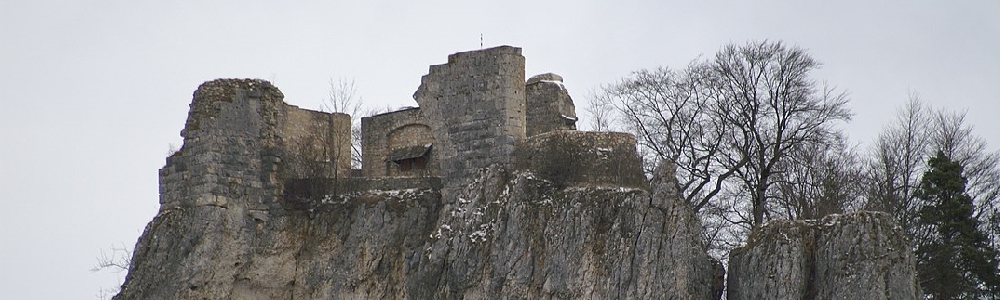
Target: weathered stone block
[(310, 138)]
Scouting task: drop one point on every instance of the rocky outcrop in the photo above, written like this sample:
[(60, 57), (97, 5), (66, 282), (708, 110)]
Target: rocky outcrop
[(511, 236), (233, 226), (853, 256)]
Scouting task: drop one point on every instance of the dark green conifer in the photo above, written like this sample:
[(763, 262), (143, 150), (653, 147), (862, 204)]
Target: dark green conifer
[(956, 261)]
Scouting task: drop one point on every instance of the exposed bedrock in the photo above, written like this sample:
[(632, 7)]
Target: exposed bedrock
[(862, 255), (510, 235)]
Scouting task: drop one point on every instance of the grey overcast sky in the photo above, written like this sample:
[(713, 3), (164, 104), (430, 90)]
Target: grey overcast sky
[(93, 92)]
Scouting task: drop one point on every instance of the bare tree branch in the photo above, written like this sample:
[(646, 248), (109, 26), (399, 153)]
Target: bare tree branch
[(118, 260), (343, 97), (734, 125), (897, 160), (600, 108)]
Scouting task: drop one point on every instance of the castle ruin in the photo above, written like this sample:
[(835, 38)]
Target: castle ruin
[(476, 110), (484, 191)]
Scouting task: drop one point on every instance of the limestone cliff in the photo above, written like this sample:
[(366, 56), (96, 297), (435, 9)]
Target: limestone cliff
[(854, 256), (233, 226)]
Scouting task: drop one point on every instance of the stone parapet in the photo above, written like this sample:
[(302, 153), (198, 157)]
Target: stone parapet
[(582, 158)]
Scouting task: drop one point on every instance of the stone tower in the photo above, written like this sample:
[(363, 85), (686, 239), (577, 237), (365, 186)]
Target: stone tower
[(549, 105), (242, 142), (476, 105), (230, 148)]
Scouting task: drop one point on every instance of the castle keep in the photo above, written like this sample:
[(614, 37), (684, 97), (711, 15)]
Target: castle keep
[(476, 110)]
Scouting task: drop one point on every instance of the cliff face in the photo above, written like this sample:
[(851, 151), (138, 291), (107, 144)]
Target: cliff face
[(853, 256), (516, 238), (228, 229)]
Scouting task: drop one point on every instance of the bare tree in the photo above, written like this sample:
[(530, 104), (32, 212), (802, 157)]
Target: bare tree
[(343, 97), (772, 107), (898, 157), (730, 123), (118, 260), (819, 179), (600, 108), (671, 114)]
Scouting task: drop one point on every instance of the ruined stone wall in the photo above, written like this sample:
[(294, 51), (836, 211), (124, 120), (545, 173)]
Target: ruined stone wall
[(582, 158), (475, 104), (549, 106), (381, 134), (318, 143), (862, 255), (225, 178), (231, 147)]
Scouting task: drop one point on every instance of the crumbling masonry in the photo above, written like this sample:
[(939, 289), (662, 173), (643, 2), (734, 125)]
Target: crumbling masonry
[(475, 111)]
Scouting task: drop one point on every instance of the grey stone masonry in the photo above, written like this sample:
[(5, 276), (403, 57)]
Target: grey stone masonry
[(317, 144), (484, 192), (583, 158), (384, 133), (228, 157), (241, 142), (476, 105), (549, 105)]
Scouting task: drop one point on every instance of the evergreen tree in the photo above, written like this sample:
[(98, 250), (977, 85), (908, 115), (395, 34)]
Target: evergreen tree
[(956, 262)]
